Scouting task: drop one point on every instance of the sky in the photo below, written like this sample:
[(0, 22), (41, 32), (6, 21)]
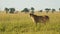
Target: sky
[(37, 4)]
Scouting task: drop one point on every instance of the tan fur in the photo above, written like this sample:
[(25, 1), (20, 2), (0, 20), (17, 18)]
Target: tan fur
[(36, 19), (32, 19)]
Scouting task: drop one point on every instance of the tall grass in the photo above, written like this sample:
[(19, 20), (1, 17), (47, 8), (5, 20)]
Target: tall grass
[(22, 24)]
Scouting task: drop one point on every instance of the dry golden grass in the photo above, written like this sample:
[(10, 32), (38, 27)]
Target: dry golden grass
[(22, 24)]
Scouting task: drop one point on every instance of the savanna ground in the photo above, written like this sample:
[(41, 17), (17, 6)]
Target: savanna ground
[(21, 23)]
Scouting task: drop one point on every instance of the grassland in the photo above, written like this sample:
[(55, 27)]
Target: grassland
[(22, 24)]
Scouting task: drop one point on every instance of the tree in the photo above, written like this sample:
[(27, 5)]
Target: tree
[(12, 10), (32, 10), (40, 10), (47, 9), (26, 10), (6, 9), (59, 9), (53, 10)]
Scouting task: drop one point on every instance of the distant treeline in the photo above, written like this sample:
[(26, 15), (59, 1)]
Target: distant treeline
[(32, 9)]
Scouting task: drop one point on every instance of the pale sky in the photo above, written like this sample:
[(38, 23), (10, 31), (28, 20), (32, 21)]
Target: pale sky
[(37, 4)]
